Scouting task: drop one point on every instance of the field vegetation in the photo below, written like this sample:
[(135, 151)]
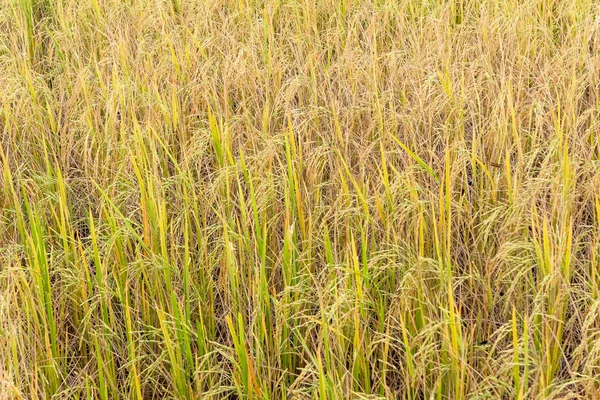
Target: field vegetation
[(299, 199)]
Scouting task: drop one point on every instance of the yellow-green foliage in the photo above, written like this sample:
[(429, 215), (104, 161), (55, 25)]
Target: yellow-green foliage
[(308, 199)]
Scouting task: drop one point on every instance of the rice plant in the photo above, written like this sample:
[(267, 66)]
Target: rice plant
[(299, 199)]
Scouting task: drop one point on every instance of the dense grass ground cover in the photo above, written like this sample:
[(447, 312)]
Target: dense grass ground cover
[(299, 199)]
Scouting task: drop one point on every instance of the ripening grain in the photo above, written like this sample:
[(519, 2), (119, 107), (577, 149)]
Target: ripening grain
[(299, 199)]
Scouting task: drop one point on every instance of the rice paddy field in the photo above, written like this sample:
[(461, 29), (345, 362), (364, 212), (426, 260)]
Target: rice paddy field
[(299, 199)]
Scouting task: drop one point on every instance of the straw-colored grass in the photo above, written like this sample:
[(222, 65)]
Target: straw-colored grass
[(299, 199)]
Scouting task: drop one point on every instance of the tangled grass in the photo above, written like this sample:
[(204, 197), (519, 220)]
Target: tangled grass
[(299, 199)]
